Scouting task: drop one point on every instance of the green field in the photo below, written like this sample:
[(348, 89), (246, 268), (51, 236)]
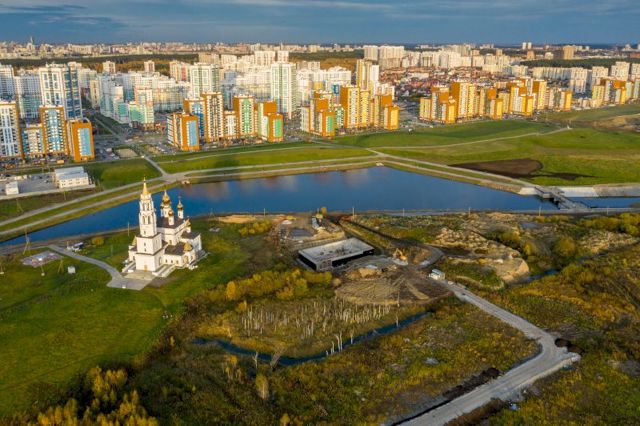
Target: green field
[(232, 150), (447, 134), (12, 208), (601, 157), (590, 115), (117, 173), (224, 160), (57, 326)]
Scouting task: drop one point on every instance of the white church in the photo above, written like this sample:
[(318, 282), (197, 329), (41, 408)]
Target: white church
[(162, 247)]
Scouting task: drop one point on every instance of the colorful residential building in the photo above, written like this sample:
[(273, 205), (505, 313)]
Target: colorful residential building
[(183, 132), (54, 127), (33, 145), (81, 146), (213, 114), (244, 108), (270, 124)]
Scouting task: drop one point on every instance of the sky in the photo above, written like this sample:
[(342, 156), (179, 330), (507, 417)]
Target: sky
[(322, 21)]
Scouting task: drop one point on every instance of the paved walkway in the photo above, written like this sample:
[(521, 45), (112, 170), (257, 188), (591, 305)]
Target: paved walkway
[(117, 280), (550, 359)]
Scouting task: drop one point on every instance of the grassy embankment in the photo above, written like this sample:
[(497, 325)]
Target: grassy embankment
[(206, 161), (573, 157), (444, 135), (588, 117)]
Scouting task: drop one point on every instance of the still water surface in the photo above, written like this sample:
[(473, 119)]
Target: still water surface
[(377, 188)]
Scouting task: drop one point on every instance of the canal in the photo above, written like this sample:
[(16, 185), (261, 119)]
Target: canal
[(373, 189)]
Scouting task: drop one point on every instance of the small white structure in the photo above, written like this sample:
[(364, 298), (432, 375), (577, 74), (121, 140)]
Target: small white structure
[(11, 188), (71, 177), (437, 275), (71, 270), (161, 248)]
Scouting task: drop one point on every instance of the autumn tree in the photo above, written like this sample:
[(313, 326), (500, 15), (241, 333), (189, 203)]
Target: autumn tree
[(262, 386)]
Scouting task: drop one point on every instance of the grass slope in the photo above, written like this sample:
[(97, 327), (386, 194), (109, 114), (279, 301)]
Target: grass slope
[(214, 161), (590, 115), (117, 173), (603, 157), (446, 134)]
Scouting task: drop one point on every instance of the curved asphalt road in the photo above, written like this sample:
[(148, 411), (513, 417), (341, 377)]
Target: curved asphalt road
[(117, 280), (550, 359)]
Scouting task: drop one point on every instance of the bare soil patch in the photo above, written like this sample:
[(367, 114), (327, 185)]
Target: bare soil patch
[(516, 168)]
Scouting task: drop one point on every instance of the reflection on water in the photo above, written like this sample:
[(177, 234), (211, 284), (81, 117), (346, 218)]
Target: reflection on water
[(612, 202), (377, 188)]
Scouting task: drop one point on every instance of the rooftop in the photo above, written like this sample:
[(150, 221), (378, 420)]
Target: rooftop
[(336, 250)]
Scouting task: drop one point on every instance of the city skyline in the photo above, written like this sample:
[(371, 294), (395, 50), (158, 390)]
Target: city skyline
[(320, 21)]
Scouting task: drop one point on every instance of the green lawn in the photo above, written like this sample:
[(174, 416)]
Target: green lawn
[(447, 134), (117, 173), (12, 208), (587, 116), (231, 150), (221, 160), (603, 157), (57, 326)]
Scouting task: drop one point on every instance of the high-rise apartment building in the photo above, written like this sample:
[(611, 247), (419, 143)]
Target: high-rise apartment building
[(539, 90), (367, 75), (80, 135), (244, 109), (182, 131), (213, 110), (464, 94), (10, 135), (439, 107), (350, 101), (204, 78), (319, 117), (283, 87), (33, 145), (27, 93), (54, 130), (270, 124), (149, 67), (59, 86), (371, 53), (179, 71), (195, 107), (7, 84), (620, 70), (109, 67)]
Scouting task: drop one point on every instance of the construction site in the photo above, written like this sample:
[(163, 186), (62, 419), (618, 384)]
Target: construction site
[(368, 268)]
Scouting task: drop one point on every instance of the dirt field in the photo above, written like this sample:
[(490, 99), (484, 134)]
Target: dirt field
[(521, 168), (406, 286), (126, 153)]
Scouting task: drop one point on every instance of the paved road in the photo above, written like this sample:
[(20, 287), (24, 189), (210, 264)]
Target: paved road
[(550, 359), (117, 280)]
